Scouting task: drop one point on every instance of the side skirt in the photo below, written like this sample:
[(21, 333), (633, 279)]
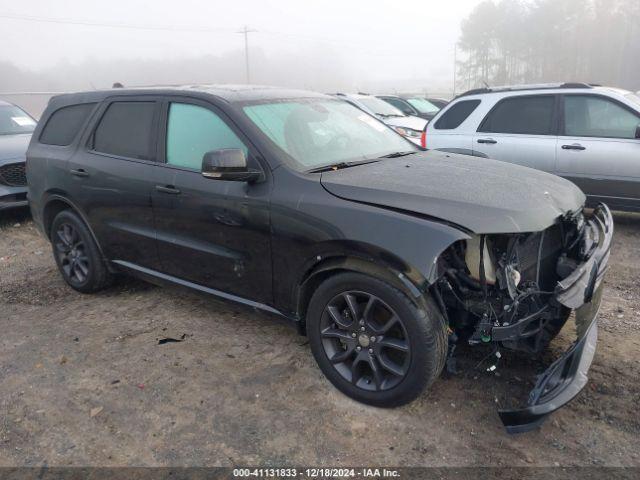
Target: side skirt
[(163, 279)]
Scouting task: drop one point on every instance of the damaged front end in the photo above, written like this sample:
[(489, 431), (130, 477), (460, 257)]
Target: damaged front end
[(518, 290)]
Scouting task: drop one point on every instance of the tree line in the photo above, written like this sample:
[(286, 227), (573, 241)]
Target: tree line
[(508, 42)]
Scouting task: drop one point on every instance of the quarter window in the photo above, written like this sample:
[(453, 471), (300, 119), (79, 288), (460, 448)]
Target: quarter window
[(591, 116), (126, 130), (64, 124), (523, 115), (193, 131), (456, 114)]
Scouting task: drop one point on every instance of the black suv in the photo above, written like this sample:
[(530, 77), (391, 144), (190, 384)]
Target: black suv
[(300, 205)]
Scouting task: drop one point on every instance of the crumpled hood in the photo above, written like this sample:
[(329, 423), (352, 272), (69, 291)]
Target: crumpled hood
[(482, 195), (14, 147), (415, 123)]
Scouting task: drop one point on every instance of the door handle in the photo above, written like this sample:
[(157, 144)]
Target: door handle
[(490, 141), (575, 146), (170, 189), (79, 172)]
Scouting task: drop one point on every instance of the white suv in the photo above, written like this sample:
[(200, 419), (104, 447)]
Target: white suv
[(587, 134)]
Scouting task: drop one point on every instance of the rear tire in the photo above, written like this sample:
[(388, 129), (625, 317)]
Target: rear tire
[(77, 255), (372, 342)]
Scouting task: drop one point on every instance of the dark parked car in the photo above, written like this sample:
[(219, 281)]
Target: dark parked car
[(297, 204), (412, 105), (16, 127), (438, 102)]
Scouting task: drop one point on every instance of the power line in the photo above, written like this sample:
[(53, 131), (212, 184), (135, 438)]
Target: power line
[(66, 21), (363, 47), (192, 29)]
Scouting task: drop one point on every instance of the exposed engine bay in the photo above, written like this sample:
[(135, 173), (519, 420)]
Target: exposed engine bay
[(501, 288)]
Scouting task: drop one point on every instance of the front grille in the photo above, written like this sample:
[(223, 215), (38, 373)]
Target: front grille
[(13, 175), (544, 248)]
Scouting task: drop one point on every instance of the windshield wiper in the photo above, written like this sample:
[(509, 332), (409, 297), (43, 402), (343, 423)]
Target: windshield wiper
[(339, 166), (399, 154)]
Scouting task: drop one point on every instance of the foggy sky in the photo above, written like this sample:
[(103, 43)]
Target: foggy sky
[(323, 45)]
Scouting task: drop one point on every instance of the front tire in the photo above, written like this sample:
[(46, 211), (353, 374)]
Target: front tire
[(372, 342), (77, 255)]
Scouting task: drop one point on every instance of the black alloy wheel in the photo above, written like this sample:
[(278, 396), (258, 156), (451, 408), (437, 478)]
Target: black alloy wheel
[(373, 341), (72, 255), (365, 340), (77, 254)]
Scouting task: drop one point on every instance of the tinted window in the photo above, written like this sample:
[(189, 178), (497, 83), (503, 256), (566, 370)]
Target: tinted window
[(193, 131), (65, 123), (401, 105), (457, 114), (590, 116), (125, 130), (528, 115)]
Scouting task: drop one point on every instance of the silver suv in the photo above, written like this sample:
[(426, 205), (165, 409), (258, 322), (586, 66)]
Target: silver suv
[(587, 134)]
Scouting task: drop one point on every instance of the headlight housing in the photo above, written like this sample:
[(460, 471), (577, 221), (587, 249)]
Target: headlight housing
[(408, 132)]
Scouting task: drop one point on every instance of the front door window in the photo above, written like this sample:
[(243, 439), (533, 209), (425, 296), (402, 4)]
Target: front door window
[(193, 131)]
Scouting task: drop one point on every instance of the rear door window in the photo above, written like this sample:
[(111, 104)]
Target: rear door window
[(456, 114), (592, 116), (126, 130), (65, 123), (531, 115), (193, 131)]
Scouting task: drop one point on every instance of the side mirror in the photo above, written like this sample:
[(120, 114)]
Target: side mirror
[(638, 132), (228, 164)]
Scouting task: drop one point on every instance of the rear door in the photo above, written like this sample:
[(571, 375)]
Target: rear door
[(598, 150), (520, 129), (111, 179), (214, 233)]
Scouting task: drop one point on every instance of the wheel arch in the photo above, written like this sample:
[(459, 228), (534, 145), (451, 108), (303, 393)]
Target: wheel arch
[(411, 283), (57, 203)]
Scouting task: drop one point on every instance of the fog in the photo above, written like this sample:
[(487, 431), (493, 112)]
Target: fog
[(322, 45), (329, 45)]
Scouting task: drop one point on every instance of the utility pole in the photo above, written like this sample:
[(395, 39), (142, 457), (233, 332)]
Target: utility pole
[(246, 33), (455, 67)]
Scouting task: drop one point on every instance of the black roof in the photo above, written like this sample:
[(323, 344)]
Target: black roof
[(229, 93)]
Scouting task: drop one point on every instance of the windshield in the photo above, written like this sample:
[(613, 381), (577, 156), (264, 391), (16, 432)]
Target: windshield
[(380, 107), (14, 121), (319, 132), (422, 105)]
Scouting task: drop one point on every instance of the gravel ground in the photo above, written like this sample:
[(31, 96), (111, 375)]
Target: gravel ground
[(86, 382)]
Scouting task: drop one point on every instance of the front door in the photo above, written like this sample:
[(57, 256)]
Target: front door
[(522, 130), (598, 151), (214, 233)]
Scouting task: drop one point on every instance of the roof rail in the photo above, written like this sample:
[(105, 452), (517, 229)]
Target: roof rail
[(576, 85), (516, 88)]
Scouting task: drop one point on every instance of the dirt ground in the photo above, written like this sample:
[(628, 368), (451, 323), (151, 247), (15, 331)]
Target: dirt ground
[(84, 381)]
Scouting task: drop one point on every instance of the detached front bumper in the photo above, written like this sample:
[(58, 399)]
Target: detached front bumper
[(581, 291)]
